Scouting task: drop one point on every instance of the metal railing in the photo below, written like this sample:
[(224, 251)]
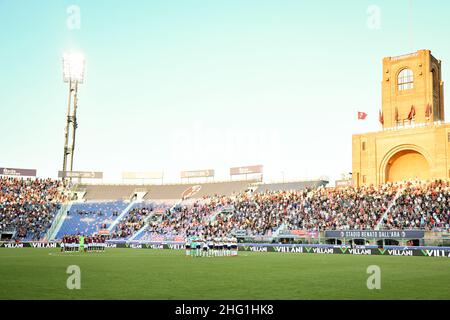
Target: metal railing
[(8, 230)]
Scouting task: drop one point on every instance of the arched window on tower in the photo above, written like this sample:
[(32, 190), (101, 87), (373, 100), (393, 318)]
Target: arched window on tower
[(405, 80)]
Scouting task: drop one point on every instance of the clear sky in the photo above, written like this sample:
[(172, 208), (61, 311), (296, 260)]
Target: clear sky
[(196, 84)]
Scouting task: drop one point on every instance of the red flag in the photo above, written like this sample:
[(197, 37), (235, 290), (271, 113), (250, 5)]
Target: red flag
[(381, 117), (362, 115), (428, 111), (412, 113)]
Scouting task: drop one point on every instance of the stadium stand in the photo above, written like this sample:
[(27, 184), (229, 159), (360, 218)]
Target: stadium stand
[(28, 207), (410, 205), (420, 206), (136, 217), (89, 218), (188, 218)]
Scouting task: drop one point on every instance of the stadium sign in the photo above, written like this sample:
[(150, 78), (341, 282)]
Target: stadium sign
[(359, 252), (174, 246), (18, 172), (437, 252), (327, 249), (395, 252), (34, 244), (197, 174), (343, 183), (133, 245), (44, 245), (288, 249), (298, 233), (11, 245), (378, 234), (319, 250), (240, 233), (246, 170), (259, 249), (80, 174)]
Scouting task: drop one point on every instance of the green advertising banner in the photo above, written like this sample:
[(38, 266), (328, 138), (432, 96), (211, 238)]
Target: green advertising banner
[(427, 252)]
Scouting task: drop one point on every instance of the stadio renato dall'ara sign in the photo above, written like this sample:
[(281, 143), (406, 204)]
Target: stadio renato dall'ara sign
[(377, 234)]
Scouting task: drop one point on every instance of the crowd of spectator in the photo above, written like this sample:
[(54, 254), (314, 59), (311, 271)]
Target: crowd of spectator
[(132, 222), (198, 217), (259, 214), (391, 206), (340, 209), (28, 206), (421, 206)]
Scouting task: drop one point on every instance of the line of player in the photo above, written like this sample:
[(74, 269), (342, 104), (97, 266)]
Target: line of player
[(211, 247), (83, 244)]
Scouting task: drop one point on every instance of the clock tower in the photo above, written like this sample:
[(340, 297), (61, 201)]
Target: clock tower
[(412, 90), (414, 143)]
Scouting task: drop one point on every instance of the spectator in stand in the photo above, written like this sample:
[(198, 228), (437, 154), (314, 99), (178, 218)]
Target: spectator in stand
[(410, 205), (131, 223), (28, 206)]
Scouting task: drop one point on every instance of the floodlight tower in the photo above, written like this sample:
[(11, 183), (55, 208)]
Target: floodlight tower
[(73, 74)]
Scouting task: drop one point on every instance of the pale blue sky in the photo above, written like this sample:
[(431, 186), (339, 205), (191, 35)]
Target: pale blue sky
[(184, 84)]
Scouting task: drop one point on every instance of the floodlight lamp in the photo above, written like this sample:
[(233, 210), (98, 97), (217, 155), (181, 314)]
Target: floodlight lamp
[(73, 67)]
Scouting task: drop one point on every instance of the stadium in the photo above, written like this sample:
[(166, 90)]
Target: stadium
[(227, 231)]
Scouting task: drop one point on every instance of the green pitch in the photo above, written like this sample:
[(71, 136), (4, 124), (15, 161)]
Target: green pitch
[(165, 274)]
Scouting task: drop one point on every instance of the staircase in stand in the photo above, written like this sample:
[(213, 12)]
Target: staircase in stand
[(391, 205), (58, 222), (121, 215)]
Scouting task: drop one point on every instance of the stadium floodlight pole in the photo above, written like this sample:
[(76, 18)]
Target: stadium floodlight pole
[(75, 124), (73, 74), (66, 133)]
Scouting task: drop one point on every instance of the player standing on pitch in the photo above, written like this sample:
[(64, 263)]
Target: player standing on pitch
[(210, 247), (234, 247), (199, 246), (204, 247), (187, 245), (228, 246)]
